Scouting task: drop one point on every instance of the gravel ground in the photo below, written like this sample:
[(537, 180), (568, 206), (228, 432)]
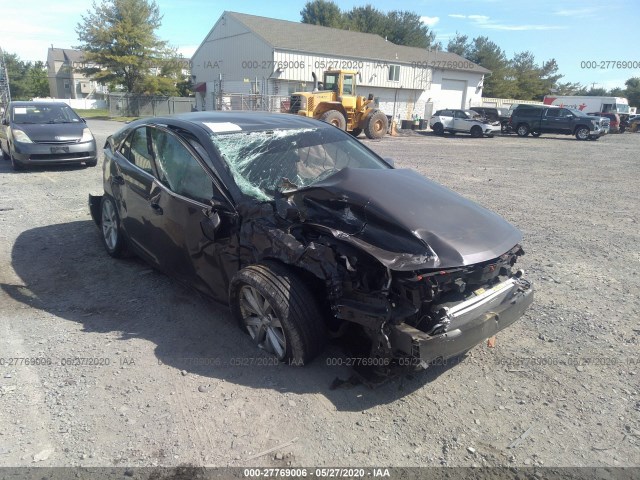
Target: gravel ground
[(560, 388)]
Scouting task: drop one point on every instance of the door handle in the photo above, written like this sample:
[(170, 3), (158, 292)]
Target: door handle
[(157, 209), (118, 180)]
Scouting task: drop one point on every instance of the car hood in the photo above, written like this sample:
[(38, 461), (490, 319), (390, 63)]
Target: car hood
[(405, 220), (52, 132)]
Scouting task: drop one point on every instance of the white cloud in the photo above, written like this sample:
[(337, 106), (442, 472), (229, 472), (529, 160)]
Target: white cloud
[(187, 51), (576, 12), (483, 21), (429, 21)]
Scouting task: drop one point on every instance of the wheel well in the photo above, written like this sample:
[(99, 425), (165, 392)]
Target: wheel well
[(317, 286), (325, 107)]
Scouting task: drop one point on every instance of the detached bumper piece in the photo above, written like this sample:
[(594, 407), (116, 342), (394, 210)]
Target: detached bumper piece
[(468, 323)]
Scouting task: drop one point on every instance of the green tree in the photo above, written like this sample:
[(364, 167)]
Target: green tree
[(487, 54), (616, 92), (119, 41), (322, 12), (460, 45), (632, 91), (26, 79), (399, 27)]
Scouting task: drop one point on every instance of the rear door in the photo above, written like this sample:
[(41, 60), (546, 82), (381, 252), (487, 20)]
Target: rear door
[(131, 185)]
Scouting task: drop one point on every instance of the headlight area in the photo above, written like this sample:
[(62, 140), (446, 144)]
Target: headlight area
[(20, 136), (87, 136), (415, 318)]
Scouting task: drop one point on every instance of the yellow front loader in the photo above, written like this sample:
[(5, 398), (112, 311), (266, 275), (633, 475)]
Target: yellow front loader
[(334, 101)]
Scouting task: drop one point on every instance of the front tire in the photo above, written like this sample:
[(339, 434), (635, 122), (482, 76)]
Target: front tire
[(582, 133), (17, 165), (376, 125), (276, 308), (334, 118), (476, 132), (523, 130), (91, 163), (111, 229), (438, 129)]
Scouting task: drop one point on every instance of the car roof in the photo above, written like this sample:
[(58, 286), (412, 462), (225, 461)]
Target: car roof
[(246, 121), (27, 103)]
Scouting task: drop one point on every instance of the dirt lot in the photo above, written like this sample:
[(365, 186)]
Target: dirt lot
[(561, 387)]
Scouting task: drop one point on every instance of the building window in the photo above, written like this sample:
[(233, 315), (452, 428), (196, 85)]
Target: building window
[(394, 73), (67, 86)]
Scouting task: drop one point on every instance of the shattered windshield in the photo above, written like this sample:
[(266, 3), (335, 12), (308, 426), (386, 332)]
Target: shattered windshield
[(265, 162)]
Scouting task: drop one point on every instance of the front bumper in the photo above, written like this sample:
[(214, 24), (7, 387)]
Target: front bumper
[(470, 323), (48, 153)]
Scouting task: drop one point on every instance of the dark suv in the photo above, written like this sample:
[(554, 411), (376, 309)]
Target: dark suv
[(539, 119)]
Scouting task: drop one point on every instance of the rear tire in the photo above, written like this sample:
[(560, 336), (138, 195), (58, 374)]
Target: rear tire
[(111, 229), (334, 118), (376, 125), (356, 131), (523, 130), (438, 129), (276, 308)]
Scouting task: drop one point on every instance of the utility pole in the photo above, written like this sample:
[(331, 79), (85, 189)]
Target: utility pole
[(5, 92)]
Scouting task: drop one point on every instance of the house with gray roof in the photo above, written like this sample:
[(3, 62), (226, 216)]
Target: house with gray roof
[(246, 55), (65, 81)]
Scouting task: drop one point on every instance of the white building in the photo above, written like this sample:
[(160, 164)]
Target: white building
[(246, 54)]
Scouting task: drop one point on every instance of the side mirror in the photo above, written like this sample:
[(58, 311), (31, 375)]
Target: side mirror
[(390, 161), (84, 120), (210, 224)]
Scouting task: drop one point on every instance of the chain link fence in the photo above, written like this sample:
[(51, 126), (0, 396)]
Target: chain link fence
[(254, 102), (129, 105)]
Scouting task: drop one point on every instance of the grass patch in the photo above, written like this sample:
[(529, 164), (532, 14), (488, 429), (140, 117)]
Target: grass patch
[(102, 114)]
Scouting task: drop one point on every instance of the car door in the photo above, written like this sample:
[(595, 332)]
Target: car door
[(460, 121), (550, 121), (565, 121), (188, 204), (131, 185)]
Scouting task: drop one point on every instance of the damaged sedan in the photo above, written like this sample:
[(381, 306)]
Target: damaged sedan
[(307, 234)]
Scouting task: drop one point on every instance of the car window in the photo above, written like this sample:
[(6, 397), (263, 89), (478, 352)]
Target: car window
[(553, 112), (460, 114), (178, 169), (135, 149), (564, 112), (347, 85), (265, 162)]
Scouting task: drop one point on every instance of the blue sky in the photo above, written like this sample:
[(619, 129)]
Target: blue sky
[(571, 31)]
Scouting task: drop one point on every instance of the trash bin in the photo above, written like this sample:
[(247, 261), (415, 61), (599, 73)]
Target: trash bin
[(407, 124), (422, 124)]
